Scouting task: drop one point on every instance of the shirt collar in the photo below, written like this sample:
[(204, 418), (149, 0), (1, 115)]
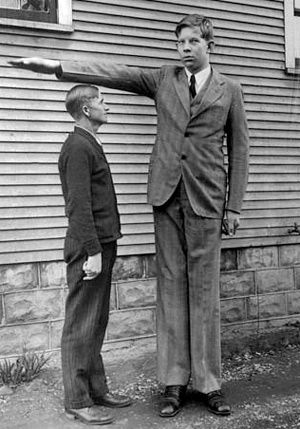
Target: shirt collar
[(201, 76), (88, 131)]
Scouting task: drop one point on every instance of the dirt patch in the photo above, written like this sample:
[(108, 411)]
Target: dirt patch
[(263, 388)]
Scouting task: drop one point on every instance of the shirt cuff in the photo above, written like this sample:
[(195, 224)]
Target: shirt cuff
[(92, 247)]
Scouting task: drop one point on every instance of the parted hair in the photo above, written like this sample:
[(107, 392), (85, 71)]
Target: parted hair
[(77, 97), (195, 20)]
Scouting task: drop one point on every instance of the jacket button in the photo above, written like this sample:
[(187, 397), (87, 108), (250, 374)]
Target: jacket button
[(183, 156)]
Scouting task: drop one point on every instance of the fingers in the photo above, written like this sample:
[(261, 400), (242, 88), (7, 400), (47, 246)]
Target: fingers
[(225, 227), (89, 274), (36, 64), (233, 226), (229, 226), (17, 63)]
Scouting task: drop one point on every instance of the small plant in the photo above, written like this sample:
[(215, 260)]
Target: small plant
[(24, 369)]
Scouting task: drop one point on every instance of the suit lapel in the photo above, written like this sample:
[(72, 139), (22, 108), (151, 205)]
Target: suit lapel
[(213, 92), (182, 88)]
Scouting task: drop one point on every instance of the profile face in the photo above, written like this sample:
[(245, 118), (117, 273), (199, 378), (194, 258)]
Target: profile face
[(193, 49), (98, 110)]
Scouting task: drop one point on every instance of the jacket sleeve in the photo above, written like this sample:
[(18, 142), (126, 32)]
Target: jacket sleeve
[(132, 79), (238, 151), (77, 168)]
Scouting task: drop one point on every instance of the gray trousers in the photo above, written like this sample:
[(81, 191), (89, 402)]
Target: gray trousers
[(86, 318), (188, 303)]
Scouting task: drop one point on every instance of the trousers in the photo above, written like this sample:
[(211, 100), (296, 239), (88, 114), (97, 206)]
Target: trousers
[(86, 318), (188, 303)]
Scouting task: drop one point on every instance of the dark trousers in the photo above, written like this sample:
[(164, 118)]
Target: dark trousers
[(86, 318), (188, 305)]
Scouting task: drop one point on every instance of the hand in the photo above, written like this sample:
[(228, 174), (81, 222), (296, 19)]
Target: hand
[(92, 266), (39, 65), (231, 222)]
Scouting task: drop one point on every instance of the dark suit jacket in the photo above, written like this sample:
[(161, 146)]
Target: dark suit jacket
[(88, 190), (189, 141)]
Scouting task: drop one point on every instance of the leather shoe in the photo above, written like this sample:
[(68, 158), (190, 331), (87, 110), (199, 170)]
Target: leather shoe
[(113, 401), (172, 400), (217, 404), (90, 415)]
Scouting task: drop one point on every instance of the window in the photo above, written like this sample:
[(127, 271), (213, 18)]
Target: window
[(30, 10), (44, 14), (292, 35)]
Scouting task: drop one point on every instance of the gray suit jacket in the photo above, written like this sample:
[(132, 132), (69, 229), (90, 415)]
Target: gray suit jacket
[(189, 139)]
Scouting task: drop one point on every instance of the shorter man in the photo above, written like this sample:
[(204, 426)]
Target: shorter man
[(90, 252)]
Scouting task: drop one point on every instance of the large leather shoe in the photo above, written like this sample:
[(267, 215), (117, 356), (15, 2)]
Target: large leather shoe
[(90, 415), (172, 400), (113, 401), (217, 404)]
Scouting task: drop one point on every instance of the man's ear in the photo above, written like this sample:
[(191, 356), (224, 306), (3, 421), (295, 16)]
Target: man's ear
[(86, 110), (210, 46)]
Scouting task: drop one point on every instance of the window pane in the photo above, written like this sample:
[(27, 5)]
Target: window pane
[(32, 10), (30, 5), (10, 4), (41, 5)]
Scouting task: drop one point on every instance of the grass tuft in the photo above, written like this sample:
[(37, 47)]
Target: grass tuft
[(22, 370)]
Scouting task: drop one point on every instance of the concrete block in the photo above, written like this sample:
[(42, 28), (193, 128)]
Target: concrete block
[(289, 254), (237, 283), (130, 324), (53, 274), (276, 280), (138, 293), (34, 305), (18, 277), (150, 266), (252, 307), (297, 277), (1, 311), (266, 306), (113, 297), (127, 267), (293, 302), (233, 310), (55, 333), (258, 257), (13, 339), (228, 259)]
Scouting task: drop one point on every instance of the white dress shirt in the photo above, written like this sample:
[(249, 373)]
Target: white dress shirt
[(201, 77)]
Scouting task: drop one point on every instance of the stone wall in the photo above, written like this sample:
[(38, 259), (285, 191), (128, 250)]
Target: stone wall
[(260, 292)]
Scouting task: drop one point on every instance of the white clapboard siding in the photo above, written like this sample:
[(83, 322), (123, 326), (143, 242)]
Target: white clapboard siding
[(33, 122)]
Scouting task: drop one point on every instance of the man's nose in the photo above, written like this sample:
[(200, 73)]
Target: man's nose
[(186, 46)]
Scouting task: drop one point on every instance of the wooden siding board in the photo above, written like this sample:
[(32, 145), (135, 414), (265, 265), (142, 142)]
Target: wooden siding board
[(33, 123), (144, 9)]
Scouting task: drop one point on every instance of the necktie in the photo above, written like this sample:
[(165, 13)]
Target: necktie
[(193, 86)]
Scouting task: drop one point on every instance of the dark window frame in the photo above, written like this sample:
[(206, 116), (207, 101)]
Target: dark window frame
[(30, 15)]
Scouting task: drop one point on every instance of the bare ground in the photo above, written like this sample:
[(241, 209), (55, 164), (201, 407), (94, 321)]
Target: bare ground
[(263, 388)]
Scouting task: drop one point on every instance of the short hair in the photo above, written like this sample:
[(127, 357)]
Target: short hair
[(77, 97), (199, 21)]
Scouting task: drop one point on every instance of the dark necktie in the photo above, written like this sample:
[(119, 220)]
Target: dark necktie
[(193, 86)]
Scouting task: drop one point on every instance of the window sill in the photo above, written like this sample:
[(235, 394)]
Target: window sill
[(293, 71), (36, 25)]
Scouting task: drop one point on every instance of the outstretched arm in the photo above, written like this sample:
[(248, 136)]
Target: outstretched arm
[(36, 64), (105, 73)]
